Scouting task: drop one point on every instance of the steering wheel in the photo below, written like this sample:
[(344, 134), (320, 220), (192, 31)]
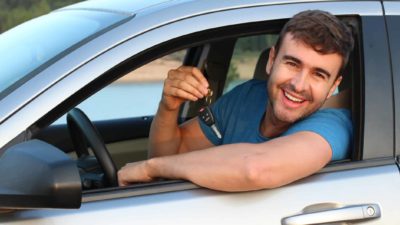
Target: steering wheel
[(83, 131)]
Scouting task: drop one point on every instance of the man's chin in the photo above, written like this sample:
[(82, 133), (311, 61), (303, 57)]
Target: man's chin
[(288, 118)]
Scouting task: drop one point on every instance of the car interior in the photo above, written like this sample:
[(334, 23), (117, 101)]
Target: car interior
[(121, 140)]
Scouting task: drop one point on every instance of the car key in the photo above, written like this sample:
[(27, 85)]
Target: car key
[(206, 115)]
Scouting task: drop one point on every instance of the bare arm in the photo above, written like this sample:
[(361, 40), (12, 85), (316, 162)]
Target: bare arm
[(166, 137), (239, 167)]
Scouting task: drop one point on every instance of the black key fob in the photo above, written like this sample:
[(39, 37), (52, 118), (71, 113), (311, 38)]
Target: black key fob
[(207, 117)]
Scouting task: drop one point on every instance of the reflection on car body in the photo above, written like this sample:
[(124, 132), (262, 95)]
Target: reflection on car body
[(37, 171)]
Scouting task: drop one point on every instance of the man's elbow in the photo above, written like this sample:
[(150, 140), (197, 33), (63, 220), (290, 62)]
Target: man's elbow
[(262, 177)]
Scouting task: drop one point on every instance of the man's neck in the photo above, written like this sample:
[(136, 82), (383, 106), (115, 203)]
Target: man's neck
[(271, 126)]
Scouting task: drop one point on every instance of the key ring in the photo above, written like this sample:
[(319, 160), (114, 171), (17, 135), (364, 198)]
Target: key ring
[(209, 95)]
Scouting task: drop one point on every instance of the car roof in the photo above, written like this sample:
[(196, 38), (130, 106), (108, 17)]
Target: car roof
[(118, 6), (136, 6)]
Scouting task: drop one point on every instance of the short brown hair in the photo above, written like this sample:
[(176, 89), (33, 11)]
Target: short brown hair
[(322, 31)]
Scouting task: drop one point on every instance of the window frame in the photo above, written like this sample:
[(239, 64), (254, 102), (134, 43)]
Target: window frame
[(392, 12), (166, 186), (377, 116)]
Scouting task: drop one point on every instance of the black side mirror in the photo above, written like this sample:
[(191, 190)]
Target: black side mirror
[(35, 174)]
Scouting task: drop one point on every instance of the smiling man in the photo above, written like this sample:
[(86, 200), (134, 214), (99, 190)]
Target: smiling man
[(273, 132)]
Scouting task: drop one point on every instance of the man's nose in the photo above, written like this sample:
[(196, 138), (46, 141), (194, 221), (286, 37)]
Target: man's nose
[(300, 81)]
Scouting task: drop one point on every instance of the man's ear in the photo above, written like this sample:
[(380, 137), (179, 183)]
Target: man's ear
[(271, 59), (334, 86)]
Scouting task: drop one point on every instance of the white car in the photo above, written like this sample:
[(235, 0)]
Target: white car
[(109, 58)]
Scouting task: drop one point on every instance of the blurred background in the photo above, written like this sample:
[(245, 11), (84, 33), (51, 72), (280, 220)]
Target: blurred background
[(14, 12)]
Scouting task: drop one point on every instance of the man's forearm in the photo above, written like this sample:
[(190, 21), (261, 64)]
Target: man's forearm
[(220, 168), (243, 167), (164, 137), (235, 167)]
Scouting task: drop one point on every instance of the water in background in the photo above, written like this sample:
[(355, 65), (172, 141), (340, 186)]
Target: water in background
[(124, 100)]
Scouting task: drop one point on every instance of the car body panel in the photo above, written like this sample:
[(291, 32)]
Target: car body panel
[(201, 206), (177, 6), (392, 8)]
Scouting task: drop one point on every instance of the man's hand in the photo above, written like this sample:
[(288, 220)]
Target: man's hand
[(134, 172), (166, 137), (182, 84)]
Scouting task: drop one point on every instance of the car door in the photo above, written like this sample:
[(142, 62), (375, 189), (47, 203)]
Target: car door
[(363, 189)]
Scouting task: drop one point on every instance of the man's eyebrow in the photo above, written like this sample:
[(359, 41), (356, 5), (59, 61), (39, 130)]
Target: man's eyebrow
[(298, 61), (292, 58), (320, 70)]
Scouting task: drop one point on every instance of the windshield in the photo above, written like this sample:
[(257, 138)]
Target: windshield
[(25, 50)]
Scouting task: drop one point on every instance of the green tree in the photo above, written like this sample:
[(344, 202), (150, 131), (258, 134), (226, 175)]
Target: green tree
[(14, 12), (233, 74)]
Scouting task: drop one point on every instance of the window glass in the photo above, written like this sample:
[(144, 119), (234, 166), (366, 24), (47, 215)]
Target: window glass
[(28, 47), (135, 94), (245, 56)]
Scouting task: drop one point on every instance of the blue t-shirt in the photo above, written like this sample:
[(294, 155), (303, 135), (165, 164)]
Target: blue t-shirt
[(238, 116)]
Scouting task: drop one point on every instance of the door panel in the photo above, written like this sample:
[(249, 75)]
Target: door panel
[(377, 185)]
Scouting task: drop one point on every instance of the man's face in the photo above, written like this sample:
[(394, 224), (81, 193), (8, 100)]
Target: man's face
[(300, 81)]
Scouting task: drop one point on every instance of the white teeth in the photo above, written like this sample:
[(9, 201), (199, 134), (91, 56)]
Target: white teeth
[(292, 98)]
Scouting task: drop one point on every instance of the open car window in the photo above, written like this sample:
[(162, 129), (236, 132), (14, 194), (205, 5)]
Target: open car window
[(136, 94), (247, 53), (122, 111)]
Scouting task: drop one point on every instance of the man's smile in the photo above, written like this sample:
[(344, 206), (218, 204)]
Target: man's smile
[(293, 98)]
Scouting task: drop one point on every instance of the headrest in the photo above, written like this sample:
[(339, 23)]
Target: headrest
[(261, 66)]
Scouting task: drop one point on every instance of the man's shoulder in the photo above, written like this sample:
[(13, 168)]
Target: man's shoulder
[(340, 113), (334, 117), (329, 119), (333, 124)]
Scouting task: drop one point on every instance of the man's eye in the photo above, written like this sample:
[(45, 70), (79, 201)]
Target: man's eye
[(291, 64), (320, 75)]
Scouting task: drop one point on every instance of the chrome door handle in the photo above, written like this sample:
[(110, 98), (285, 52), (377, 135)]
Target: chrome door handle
[(325, 213)]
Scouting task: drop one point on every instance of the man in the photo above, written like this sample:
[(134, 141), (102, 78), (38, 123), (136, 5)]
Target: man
[(273, 133)]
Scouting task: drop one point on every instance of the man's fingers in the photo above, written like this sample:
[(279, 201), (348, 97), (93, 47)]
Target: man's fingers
[(177, 92), (196, 73), (133, 173), (187, 86), (187, 78), (121, 182), (200, 77), (184, 83)]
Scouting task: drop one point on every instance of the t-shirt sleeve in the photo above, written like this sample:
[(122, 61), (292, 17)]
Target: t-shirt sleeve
[(334, 125)]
